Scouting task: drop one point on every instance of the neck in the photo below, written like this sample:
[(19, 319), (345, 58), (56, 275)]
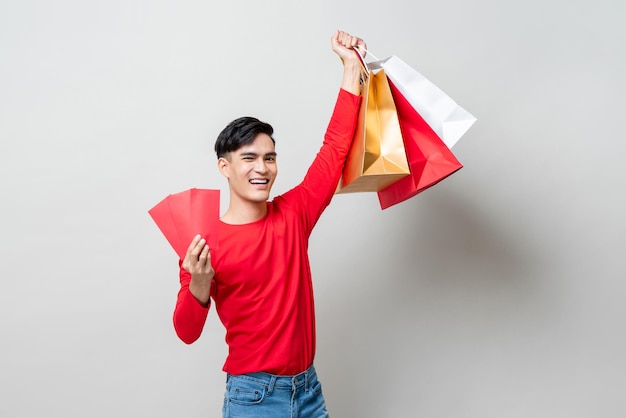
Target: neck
[(242, 213)]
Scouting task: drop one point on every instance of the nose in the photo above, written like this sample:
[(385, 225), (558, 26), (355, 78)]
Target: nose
[(260, 166)]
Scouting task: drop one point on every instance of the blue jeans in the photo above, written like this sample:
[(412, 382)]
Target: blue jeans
[(268, 395)]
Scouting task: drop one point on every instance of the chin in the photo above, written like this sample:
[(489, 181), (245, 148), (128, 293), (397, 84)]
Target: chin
[(260, 197)]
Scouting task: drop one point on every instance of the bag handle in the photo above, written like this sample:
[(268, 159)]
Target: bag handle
[(367, 67), (362, 61), (372, 55)]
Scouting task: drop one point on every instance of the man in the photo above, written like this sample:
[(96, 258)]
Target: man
[(260, 278)]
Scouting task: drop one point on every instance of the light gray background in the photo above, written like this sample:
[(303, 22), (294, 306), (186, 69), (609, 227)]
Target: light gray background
[(498, 293)]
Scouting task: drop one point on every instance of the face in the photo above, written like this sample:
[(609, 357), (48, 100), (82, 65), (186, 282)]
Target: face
[(251, 170)]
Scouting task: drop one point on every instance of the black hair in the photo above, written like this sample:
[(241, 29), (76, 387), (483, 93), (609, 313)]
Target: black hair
[(240, 132)]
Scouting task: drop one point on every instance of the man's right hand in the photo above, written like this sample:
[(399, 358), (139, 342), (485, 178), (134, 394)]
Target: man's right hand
[(343, 45), (198, 263)]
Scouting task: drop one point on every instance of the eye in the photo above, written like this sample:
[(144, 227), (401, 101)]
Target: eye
[(270, 158)]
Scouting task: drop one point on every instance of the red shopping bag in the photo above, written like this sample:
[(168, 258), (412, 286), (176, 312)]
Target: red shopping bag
[(430, 160), (181, 216)]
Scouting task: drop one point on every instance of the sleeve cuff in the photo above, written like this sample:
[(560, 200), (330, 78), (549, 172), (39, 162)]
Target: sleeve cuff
[(355, 98), (195, 305)]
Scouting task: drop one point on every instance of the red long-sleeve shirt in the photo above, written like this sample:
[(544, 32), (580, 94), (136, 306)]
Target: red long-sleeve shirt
[(262, 287)]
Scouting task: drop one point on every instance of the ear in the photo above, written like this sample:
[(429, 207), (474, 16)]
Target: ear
[(224, 166)]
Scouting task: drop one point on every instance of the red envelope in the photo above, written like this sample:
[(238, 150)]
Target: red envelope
[(181, 216), (430, 159)]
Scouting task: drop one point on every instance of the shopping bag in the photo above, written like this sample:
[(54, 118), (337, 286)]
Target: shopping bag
[(449, 120), (430, 160), (376, 158), (181, 216)]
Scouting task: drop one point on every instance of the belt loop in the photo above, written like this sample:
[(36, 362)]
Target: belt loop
[(270, 388), (306, 381)]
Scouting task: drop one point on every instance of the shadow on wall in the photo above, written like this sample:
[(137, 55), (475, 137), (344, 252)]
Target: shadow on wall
[(435, 273), (457, 243)]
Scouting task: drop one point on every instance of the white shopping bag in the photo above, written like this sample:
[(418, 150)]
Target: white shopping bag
[(449, 120)]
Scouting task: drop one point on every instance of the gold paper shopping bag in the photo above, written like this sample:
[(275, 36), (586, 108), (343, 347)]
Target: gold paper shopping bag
[(377, 157)]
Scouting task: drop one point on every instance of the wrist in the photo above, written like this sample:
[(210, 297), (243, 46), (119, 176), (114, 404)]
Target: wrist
[(352, 64), (200, 288), (351, 82)]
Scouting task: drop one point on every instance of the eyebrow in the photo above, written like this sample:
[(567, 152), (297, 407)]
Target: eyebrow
[(254, 154)]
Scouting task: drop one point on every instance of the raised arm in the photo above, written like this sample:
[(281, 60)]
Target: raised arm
[(318, 187)]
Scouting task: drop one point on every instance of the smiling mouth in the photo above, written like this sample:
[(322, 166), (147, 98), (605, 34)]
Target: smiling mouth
[(259, 181)]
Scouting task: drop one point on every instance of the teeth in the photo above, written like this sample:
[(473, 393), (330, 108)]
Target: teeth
[(256, 181)]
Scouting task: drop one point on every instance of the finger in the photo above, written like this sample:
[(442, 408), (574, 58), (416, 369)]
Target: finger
[(186, 264), (194, 254), (204, 256), (189, 258), (198, 248), (199, 260), (338, 41), (343, 36), (335, 38), (345, 40), (194, 242), (361, 46), (349, 40)]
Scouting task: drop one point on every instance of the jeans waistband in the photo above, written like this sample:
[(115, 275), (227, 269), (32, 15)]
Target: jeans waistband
[(273, 381)]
